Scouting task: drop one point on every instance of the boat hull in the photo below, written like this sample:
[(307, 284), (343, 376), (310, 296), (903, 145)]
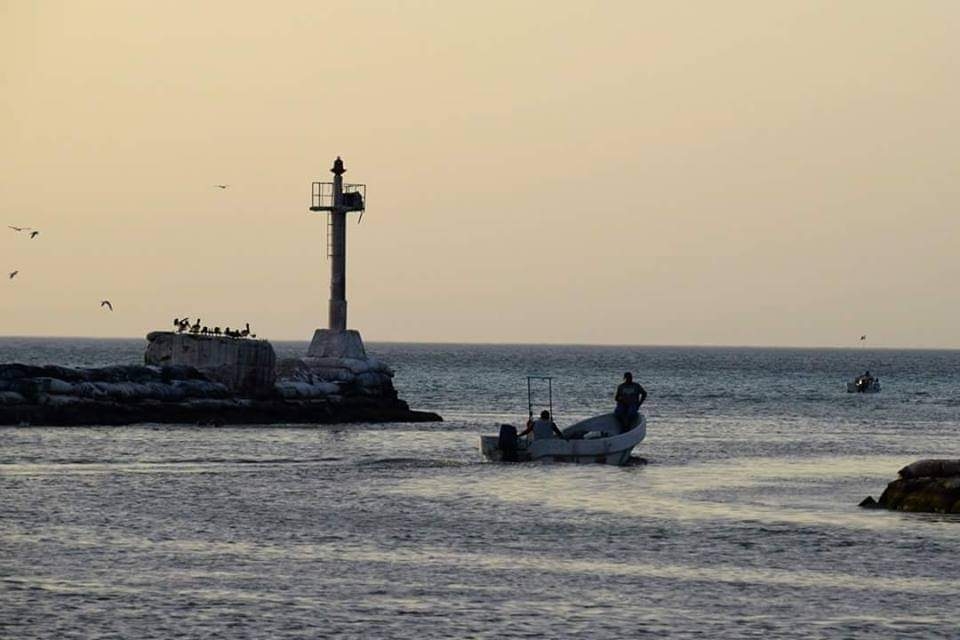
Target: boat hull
[(608, 447)]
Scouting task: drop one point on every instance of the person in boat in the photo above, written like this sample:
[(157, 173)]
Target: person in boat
[(865, 381), (543, 428), (630, 395)]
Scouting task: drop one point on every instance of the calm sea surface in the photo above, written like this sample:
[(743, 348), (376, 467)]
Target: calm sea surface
[(742, 523)]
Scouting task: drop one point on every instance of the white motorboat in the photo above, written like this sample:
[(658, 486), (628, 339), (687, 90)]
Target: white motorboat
[(600, 439)]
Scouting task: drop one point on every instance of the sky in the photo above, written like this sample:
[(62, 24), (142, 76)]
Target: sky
[(683, 173)]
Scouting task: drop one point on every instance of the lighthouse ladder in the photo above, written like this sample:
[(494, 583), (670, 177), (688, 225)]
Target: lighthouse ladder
[(329, 235)]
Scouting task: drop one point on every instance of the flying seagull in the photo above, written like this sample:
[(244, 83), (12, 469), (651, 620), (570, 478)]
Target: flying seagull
[(34, 234), (18, 228), (863, 337), (221, 186), (106, 303), (13, 274)]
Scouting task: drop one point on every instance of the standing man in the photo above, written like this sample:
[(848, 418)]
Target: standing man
[(629, 397)]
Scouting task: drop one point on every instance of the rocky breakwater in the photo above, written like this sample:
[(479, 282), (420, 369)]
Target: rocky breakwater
[(54, 395), (205, 380), (338, 368), (926, 486)]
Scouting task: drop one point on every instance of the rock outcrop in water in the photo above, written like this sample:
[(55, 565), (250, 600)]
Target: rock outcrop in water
[(926, 486), (209, 380)]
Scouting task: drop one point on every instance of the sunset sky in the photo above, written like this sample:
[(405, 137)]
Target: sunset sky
[(704, 173)]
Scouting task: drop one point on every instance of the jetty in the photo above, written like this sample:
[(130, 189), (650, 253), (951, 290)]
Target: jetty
[(219, 380)]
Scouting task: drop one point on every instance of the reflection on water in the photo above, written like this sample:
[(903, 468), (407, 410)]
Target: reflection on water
[(189, 526), (739, 490)]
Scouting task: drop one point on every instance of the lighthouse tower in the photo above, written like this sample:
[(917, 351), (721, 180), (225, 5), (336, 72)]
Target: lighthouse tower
[(337, 200)]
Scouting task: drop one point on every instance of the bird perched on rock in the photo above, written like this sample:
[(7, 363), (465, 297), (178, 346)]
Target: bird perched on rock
[(106, 303), (34, 234), (13, 274)]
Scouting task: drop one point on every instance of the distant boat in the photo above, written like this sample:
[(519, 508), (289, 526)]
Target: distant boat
[(864, 384)]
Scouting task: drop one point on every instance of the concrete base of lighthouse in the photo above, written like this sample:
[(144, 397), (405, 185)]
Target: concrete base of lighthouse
[(328, 343), (337, 357)]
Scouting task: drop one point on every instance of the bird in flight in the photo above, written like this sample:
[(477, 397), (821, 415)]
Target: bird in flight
[(106, 303), (863, 337), (18, 229), (13, 274), (34, 234), (221, 186)]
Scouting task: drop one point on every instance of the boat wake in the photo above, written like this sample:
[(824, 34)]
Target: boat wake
[(410, 463)]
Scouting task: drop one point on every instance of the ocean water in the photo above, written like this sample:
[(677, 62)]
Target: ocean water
[(739, 522)]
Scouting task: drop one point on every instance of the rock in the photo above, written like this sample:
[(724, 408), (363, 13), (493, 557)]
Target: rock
[(353, 365), (60, 400), (11, 397), (124, 373), (89, 390), (246, 367), (931, 468), (65, 373), (869, 503), (295, 389), (924, 495), (926, 486), (53, 385), (201, 388)]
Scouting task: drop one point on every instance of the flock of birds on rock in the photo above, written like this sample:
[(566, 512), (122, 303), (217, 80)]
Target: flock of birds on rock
[(33, 234), (183, 325)]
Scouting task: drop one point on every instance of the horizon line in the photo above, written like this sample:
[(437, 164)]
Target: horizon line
[(540, 344)]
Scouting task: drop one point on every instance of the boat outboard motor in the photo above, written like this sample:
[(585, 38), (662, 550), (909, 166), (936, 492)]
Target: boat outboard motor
[(508, 443)]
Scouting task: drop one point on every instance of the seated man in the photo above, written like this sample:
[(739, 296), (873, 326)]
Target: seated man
[(629, 397), (542, 429)]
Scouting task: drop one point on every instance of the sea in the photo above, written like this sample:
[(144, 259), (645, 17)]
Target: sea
[(738, 518)]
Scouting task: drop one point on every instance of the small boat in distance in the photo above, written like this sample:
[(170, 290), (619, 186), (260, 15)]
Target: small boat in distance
[(865, 383), (600, 439)]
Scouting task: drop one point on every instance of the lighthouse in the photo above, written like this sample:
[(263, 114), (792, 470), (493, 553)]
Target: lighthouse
[(337, 200)]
